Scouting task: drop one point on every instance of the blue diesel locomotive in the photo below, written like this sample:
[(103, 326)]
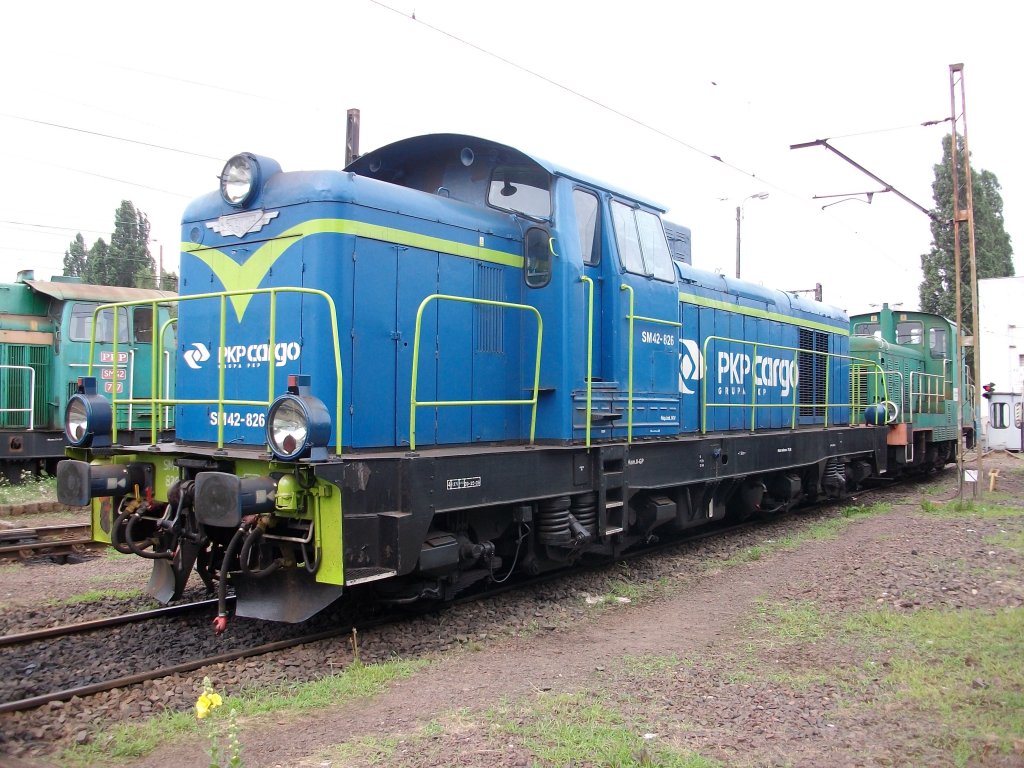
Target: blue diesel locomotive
[(451, 362)]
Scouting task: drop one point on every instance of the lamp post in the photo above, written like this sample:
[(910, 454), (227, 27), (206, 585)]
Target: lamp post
[(739, 216)]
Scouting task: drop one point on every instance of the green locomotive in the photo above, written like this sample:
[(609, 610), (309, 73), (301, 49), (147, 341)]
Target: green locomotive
[(922, 385), (45, 332)]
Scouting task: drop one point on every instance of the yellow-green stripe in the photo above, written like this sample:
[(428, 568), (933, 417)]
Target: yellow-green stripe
[(701, 301), (250, 274)]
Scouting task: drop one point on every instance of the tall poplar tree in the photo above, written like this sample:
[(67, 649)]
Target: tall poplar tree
[(126, 261), (75, 257), (993, 252), (96, 263)]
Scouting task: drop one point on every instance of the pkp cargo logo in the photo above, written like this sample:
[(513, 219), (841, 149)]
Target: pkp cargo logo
[(691, 365), (196, 356), (242, 356)]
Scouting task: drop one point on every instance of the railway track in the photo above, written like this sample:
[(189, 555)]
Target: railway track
[(301, 634), (46, 541)]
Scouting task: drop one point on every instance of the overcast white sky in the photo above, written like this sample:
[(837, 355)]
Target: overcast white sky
[(152, 99)]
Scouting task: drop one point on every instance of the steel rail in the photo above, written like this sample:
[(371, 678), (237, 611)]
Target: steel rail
[(113, 621), (187, 666)]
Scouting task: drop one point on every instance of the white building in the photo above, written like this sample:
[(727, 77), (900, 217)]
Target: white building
[(1001, 336)]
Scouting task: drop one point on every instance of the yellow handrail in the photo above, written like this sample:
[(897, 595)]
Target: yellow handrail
[(155, 400), (414, 404), (794, 405), (632, 317), (590, 347)]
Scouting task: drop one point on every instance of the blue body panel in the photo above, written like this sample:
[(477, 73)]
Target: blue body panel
[(405, 223)]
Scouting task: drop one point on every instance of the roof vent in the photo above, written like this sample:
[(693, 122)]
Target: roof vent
[(26, 274)]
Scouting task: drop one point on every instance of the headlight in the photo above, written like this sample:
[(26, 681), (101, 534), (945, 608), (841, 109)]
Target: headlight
[(88, 417), (298, 424), (239, 179)]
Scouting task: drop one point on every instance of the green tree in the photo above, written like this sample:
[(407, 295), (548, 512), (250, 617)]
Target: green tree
[(75, 257), (131, 261), (993, 253), (169, 281), (97, 268)]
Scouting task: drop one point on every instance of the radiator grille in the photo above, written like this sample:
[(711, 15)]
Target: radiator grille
[(490, 335), (14, 384)]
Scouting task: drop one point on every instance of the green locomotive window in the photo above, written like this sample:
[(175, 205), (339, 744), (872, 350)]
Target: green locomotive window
[(937, 341), (81, 324), (867, 329), (142, 322), (909, 332)]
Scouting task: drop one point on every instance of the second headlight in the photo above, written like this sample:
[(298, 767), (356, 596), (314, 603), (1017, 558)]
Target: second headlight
[(298, 424)]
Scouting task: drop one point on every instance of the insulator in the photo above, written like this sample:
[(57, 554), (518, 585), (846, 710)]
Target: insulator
[(552, 520)]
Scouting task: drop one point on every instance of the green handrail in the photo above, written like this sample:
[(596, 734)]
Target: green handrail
[(632, 317), (857, 364), (590, 347), (414, 404), (155, 400), (159, 373)]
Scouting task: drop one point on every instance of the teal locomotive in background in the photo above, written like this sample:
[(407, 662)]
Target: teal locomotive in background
[(922, 388), (46, 328)]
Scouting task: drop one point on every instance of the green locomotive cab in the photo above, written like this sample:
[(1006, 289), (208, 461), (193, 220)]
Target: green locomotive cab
[(922, 385), (47, 343)]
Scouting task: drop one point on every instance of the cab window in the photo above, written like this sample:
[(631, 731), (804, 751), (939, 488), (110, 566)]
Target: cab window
[(525, 190), (867, 329), (538, 258), (937, 342), (142, 324), (81, 324), (909, 332), (587, 206), (640, 237)]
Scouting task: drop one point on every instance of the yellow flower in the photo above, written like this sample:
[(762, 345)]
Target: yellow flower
[(207, 700)]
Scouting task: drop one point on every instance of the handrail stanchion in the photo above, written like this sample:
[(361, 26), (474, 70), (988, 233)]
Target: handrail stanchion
[(753, 389), (590, 348), (629, 381)]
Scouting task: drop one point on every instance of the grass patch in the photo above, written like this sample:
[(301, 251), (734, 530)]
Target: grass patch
[(649, 664), (962, 666), (96, 595), (112, 554), (969, 508), (30, 489), (560, 730), (374, 750), (130, 740), (1014, 541), (825, 529), (789, 623)]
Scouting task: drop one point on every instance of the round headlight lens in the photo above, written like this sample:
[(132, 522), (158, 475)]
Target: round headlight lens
[(238, 179), (76, 421), (288, 427)]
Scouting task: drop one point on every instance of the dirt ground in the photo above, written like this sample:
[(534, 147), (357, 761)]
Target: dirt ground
[(697, 667)]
